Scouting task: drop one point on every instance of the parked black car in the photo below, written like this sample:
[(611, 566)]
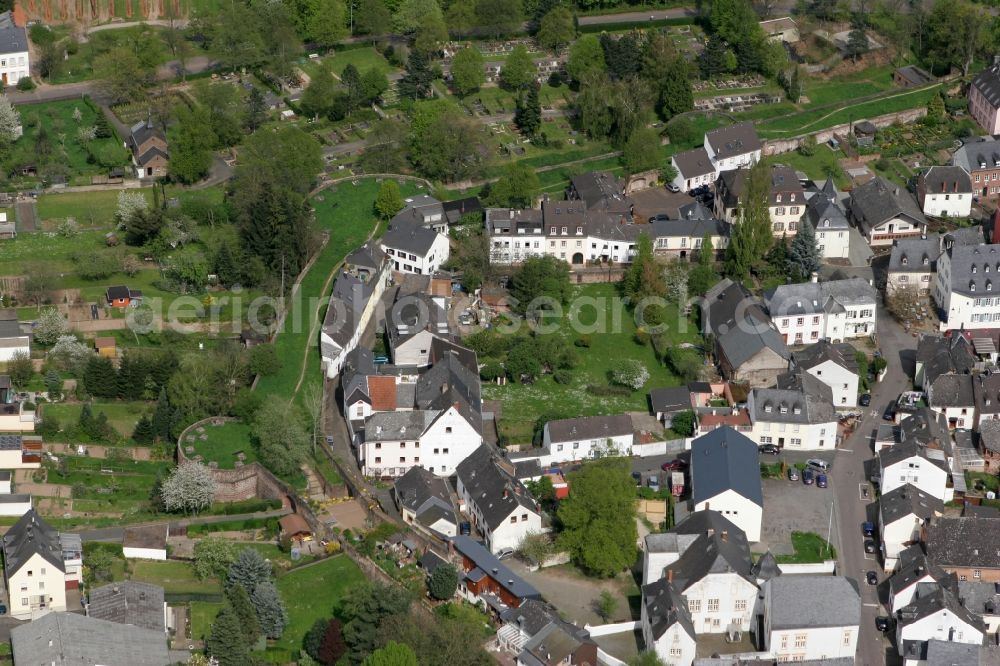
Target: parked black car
[(870, 546), (769, 449), (872, 578), (890, 412), (865, 400), (882, 623)]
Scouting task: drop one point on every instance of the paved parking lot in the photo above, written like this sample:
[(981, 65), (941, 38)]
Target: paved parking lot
[(792, 506)]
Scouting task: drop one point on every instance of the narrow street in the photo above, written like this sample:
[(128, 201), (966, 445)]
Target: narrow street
[(850, 476)]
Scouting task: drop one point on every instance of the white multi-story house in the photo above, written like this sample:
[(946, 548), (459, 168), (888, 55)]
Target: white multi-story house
[(954, 398), (837, 310), (912, 263), (34, 568), (733, 147), (884, 212), (797, 416), (826, 213), (725, 477), (15, 61), (667, 628), (934, 615), (945, 191), (586, 437), (967, 285), (913, 570), (694, 169), (903, 513), (414, 248), (13, 340), (786, 201), (706, 558), (682, 238), (498, 503), (836, 365), (810, 617), (911, 463)]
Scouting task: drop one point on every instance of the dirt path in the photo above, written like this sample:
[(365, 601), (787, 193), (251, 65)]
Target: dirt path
[(25, 216)]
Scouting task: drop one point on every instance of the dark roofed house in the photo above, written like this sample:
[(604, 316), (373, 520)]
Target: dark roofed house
[(945, 191), (725, 477), (966, 547), (415, 248), (666, 402), (733, 146), (455, 210), (884, 212), (33, 554), (489, 580), (913, 262), (14, 47), (586, 436), (70, 639), (424, 500), (938, 355), (790, 604), (148, 145), (911, 76), (121, 296), (148, 542), (601, 191), (984, 98), (903, 514), (694, 169), (667, 626), (980, 157), (129, 602), (536, 635), (989, 445)]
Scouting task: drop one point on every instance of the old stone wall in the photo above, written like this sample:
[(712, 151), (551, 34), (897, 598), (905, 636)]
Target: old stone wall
[(778, 146)]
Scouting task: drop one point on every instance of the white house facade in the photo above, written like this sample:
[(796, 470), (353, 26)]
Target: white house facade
[(586, 437), (945, 191), (725, 477), (967, 287), (919, 466), (15, 61), (837, 310), (667, 628), (811, 617)]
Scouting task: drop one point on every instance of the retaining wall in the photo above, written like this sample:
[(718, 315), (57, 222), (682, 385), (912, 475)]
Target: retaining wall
[(778, 146)]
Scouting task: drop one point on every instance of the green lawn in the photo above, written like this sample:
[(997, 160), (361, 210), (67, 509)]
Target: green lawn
[(809, 548), (79, 66), (314, 592), (89, 208), (109, 486), (223, 443), (121, 415), (522, 405), (363, 58), (202, 616), (174, 577), (817, 166), (848, 86), (345, 211)]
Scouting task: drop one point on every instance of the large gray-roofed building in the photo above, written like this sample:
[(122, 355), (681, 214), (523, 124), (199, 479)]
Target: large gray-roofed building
[(719, 546), (956, 543), (824, 209), (601, 191), (915, 255), (978, 154), (819, 297), (733, 140), (487, 564), (129, 602), (389, 426), (938, 355), (974, 269), (589, 427), (70, 639), (878, 201), (908, 500), (13, 38), (841, 354), (665, 607), (792, 602), (31, 535), (412, 238), (951, 391), (694, 163), (741, 328), (496, 493), (725, 460)]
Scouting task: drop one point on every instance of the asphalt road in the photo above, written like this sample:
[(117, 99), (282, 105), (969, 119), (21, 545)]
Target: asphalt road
[(850, 476)]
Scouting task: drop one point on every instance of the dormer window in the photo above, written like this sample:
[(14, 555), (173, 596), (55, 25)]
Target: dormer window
[(972, 286), (777, 198), (552, 231), (826, 223), (797, 410), (767, 409), (905, 261), (565, 231), (784, 409), (579, 231), (974, 270), (989, 286), (791, 197), (926, 261)]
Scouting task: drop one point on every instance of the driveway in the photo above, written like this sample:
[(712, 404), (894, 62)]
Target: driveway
[(792, 506), (574, 595)]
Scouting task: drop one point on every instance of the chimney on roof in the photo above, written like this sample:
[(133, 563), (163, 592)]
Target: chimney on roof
[(670, 575)]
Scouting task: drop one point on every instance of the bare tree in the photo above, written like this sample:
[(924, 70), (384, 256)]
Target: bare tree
[(902, 302)]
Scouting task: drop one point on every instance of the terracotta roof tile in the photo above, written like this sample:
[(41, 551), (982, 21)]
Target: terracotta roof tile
[(383, 393)]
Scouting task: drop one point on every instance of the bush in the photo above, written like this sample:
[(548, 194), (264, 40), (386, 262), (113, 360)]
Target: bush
[(25, 84), (562, 376), (582, 341), (642, 337)]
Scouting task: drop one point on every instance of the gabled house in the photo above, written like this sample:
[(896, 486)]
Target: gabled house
[(984, 98), (129, 602), (15, 56), (836, 310), (836, 365), (911, 76), (967, 277), (827, 215), (924, 467), (694, 169), (484, 578), (498, 503), (953, 397), (884, 212), (733, 146), (967, 547), (945, 191), (34, 569), (725, 477), (913, 262), (424, 501), (980, 157), (786, 200), (415, 322), (914, 572), (13, 339), (586, 437), (934, 614), (65, 639), (798, 415), (706, 558), (938, 355), (748, 347), (148, 145), (535, 634), (601, 191), (903, 514), (681, 238), (667, 402), (121, 296), (415, 248), (667, 628), (423, 210), (797, 628), (352, 305)]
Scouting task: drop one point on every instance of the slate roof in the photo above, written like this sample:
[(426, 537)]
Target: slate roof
[(806, 602), (397, 426), (693, 163), (987, 82), (151, 154), (421, 492), (824, 209), (909, 449), (530, 617), (725, 460), (923, 427), (594, 187), (347, 303), (964, 542), (915, 75), (486, 563), (670, 399), (818, 297), (665, 607), (841, 354), (914, 567), (413, 238), (369, 255), (975, 269), (700, 222), (908, 500), (976, 153), (487, 484), (13, 39), (940, 599), (741, 340), (946, 180), (718, 547), (70, 639), (454, 210), (29, 536), (965, 236), (766, 567), (556, 643), (953, 653), (448, 384), (878, 200), (989, 435), (418, 312), (915, 255), (589, 427), (940, 355), (10, 328), (733, 140), (951, 391), (128, 602)]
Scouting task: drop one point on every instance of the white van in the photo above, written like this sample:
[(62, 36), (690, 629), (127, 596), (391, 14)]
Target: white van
[(818, 464)]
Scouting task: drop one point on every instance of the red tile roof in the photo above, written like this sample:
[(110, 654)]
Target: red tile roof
[(382, 391)]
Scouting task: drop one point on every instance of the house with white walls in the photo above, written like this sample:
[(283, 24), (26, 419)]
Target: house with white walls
[(810, 617), (497, 502), (827, 215), (837, 310), (921, 466), (424, 501), (147, 542), (694, 169), (667, 628), (964, 288), (706, 558), (413, 248), (786, 200), (13, 339), (586, 437), (954, 398), (835, 365), (885, 212), (34, 568), (912, 263), (733, 146), (945, 191), (914, 570), (902, 515), (725, 477), (20, 451), (533, 633), (935, 613), (798, 415), (15, 59), (939, 355)]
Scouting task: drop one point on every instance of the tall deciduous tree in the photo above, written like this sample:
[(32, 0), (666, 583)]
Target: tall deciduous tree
[(10, 122), (388, 201), (191, 143), (120, 75), (468, 70), (51, 326), (498, 17), (275, 226), (189, 488), (642, 151), (556, 29), (443, 582), (281, 440), (411, 14), (586, 59), (540, 277), (288, 157), (393, 654), (598, 518), (326, 23), (372, 17), (516, 188), (518, 70), (20, 369), (318, 97), (751, 236)]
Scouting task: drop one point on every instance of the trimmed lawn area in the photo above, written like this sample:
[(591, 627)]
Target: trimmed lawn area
[(848, 86), (174, 577), (364, 59), (522, 405), (223, 443), (314, 592), (202, 616), (89, 208), (122, 416), (52, 253), (345, 211), (817, 166), (809, 548)]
